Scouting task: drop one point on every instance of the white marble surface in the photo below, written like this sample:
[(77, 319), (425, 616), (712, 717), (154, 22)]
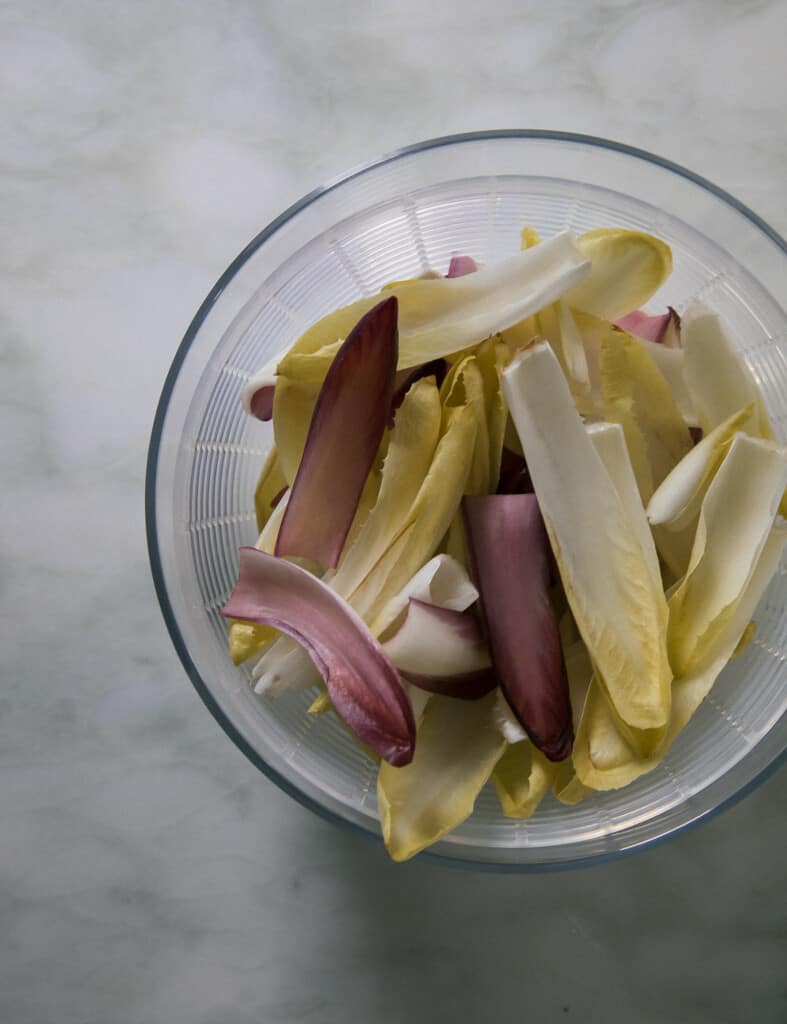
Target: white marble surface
[(147, 871)]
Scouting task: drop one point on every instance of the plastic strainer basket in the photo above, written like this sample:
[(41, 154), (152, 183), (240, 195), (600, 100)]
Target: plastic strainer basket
[(393, 219)]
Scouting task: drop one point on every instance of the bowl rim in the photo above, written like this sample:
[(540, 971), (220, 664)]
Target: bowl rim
[(154, 449)]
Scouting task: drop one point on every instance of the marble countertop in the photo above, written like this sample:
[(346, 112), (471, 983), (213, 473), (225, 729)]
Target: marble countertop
[(148, 872)]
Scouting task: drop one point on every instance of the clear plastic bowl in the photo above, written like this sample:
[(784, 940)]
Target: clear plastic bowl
[(393, 219)]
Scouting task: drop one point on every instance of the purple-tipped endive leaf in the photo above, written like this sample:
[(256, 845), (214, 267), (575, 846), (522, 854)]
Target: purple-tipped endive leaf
[(362, 681), (344, 435), (442, 651), (510, 553), (460, 266), (664, 328)]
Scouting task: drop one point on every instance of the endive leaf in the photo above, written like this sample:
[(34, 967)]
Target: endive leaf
[(636, 395), (293, 405), (344, 435), (464, 387), (247, 639), (510, 555), (492, 357), (664, 328), (428, 518), (442, 582), (434, 641), (507, 722), (627, 268), (528, 238), (737, 514), (522, 778), (567, 787), (677, 500), (270, 486), (719, 380), (617, 606), (404, 380), (670, 362), (603, 759), (610, 444), (284, 667), (257, 393), (437, 317), (362, 682), (440, 316), (457, 748), (461, 265), (411, 451)]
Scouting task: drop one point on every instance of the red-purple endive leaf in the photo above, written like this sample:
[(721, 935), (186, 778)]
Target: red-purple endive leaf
[(442, 651), (405, 379), (663, 328), (362, 681), (344, 434), (510, 553), (261, 402), (460, 266)]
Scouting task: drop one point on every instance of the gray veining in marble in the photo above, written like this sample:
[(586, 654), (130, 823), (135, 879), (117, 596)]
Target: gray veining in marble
[(148, 873)]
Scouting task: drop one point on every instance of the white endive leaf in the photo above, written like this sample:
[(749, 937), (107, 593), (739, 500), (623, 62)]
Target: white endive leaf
[(671, 362), (457, 747), (737, 515), (676, 501), (442, 582), (618, 608), (438, 642), (507, 722), (720, 382), (283, 667)]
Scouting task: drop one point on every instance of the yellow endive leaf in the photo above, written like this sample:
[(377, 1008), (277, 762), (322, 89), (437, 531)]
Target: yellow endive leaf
[(737, 514), (618, 607), (636, 395), (321, 703), (293, 405), (529, 237), (602, 757), (269, 486), (567, 787), (411, 451), (457, 747), (493, 357), (248, 638), (522, 778), (430, 515), (439, 316), (464, 387), (627, 268)]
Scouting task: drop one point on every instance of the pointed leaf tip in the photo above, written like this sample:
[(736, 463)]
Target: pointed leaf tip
[(511, 560), (346, 428)]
